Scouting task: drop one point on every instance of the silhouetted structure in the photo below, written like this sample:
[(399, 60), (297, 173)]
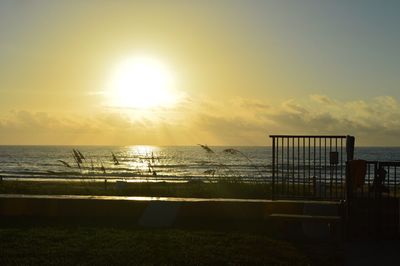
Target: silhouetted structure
[(306, 167)]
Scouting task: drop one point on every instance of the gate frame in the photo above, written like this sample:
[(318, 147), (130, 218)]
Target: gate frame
[(350, 142)]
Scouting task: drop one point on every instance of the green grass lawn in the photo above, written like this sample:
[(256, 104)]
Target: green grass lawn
[(88, 245)]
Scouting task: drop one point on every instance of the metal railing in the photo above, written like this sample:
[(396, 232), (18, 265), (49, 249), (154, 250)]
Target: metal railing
[(373, 207), (310, 167), (381, 180)]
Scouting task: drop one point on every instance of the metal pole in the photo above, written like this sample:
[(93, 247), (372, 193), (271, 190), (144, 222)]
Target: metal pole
[(349, 182), (273, 168), (350, 156)]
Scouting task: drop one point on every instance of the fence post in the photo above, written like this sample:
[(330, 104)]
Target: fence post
[(350, 140), (350, 156), (349, 185), (273, 168)]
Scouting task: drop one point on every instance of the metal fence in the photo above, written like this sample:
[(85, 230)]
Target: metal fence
[(373, 203), (322, 168), (381, 180), (310, 167)]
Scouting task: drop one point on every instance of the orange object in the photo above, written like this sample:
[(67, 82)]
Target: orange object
[(357, 172)]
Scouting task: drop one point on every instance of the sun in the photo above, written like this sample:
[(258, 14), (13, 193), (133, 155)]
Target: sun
[(142, 82)]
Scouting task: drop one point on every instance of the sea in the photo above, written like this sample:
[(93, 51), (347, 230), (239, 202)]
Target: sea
[(143, 163)]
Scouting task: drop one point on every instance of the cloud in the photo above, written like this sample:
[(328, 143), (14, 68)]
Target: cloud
[(251, 104), (374, 122), (292, 107), (237, 121), (322, 99)]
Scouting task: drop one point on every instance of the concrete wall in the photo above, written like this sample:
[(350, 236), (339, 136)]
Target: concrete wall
[(150, 211)]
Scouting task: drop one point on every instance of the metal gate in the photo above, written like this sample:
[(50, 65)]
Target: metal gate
[(310, 167), (321, 168)]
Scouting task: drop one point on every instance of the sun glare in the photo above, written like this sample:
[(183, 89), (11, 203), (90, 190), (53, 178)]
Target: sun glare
[(142, 82)]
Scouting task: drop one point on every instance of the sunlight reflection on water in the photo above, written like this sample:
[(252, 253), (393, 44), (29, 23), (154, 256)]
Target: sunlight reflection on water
[(145, 163)]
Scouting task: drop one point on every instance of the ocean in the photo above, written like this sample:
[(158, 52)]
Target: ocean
[(150, 163)]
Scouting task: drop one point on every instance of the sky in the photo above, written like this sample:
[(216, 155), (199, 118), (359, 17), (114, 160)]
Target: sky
[(241, 70)]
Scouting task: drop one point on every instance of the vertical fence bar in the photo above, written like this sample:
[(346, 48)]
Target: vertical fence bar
[(314, 167), (341, 169), (375, 172), (350, 156), (362, 190), (293, 162), (395, 182), (320, 160), (309, 166), (330, 170), (325, 163), (298, 165), (368, 179), (350, 141), (287, 167), (283, 170), (273, 168), (304, 166), (336, 169), (277, 165), (387, 179)]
